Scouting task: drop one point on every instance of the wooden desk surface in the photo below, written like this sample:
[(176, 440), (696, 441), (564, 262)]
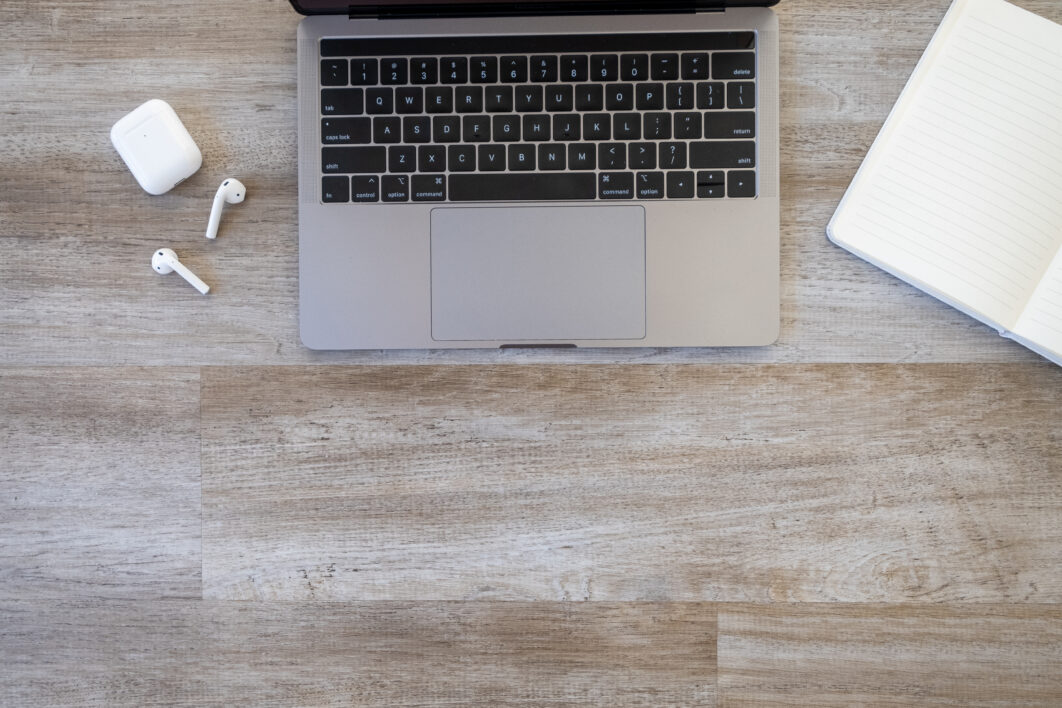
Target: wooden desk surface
[(196, 510)]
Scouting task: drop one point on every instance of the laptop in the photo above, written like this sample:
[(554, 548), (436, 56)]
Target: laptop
[(557, 173)]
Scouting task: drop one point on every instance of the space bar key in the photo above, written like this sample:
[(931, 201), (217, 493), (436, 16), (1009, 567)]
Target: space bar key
[(494, 187)]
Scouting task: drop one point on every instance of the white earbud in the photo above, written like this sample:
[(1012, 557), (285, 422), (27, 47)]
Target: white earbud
[(165, 261), (231, 191)]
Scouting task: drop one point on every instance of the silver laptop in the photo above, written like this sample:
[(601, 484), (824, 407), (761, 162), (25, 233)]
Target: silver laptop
[(552, 173)]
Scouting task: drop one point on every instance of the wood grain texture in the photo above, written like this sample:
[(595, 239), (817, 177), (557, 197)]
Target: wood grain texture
[(68, 70), (356, 654), (99, 483), (485, 535), (816, 655), (921, 483)]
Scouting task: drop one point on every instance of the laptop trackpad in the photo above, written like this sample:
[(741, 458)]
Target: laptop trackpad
[(517, 274)]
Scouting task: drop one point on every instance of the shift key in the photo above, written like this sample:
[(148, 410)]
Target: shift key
[(354, 160), (720, 155)]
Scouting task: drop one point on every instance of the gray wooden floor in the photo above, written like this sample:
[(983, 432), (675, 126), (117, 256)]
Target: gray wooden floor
[(195, 510)]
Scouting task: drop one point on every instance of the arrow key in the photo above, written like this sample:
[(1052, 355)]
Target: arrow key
[(741, 183), (680, 185)]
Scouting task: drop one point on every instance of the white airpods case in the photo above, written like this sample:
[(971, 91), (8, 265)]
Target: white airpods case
[(156, 147)]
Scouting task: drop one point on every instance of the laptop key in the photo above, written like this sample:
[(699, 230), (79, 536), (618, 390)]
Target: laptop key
[(416, 129), (484, 70), (657, 126), (342, 102), (642, 156), (529, 99), (574, 67), (431, 158), (521, 158), (619, 97), (454, 70), (711, 185), (364, 72), (334, 72), (616, 185), (506, 129), (634, 67), (335, 189), (680, 96), (499, 99), (559, 98), (537, 127), (551, 157), (339, 131), (582, 156), (462, 158), (650, 97), (721, 155), (477, 129), (711, 95), (589, 97), (395, 72), (395, 188), (424, 71), (543, 69), (680, 185), (649, 185), (409, 99), (734, 65), (688, 126), (626, 126), (354, 160), (673, 156), (492, 158), (604, 67), (597, 126), (446, 129), (665, 67), (387, 129), (694, 66), (469, 99), (380, 101), (527, 186), (566, 127), (741, 94), (730, 124), (741, 184), (439, 99), (612, 156), (365, 188), (402, 158), (514, 70), (429, 188)]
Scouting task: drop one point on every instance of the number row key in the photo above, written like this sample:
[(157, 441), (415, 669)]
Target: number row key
[(542, 69)]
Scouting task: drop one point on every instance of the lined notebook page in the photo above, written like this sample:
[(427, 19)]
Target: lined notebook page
[(962, 191), (1042, 320)]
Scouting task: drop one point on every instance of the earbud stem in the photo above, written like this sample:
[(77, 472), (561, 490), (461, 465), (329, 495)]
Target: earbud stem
[(190, 277), (215, 216)]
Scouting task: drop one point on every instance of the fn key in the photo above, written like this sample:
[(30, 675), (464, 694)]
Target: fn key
[(335, 189)]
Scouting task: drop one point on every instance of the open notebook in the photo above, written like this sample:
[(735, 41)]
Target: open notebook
[(961, 193)]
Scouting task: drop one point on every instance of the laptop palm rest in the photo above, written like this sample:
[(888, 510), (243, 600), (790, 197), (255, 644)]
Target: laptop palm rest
[(526, 274)]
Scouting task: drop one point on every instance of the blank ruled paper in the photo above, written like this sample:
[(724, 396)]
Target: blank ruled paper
[(961, 193), (1042, 320)]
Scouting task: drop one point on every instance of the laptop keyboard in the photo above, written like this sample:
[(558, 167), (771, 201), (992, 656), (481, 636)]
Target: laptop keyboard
[(539, 118)]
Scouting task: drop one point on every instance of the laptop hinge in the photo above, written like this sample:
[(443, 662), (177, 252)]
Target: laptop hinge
[(503, 9)]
